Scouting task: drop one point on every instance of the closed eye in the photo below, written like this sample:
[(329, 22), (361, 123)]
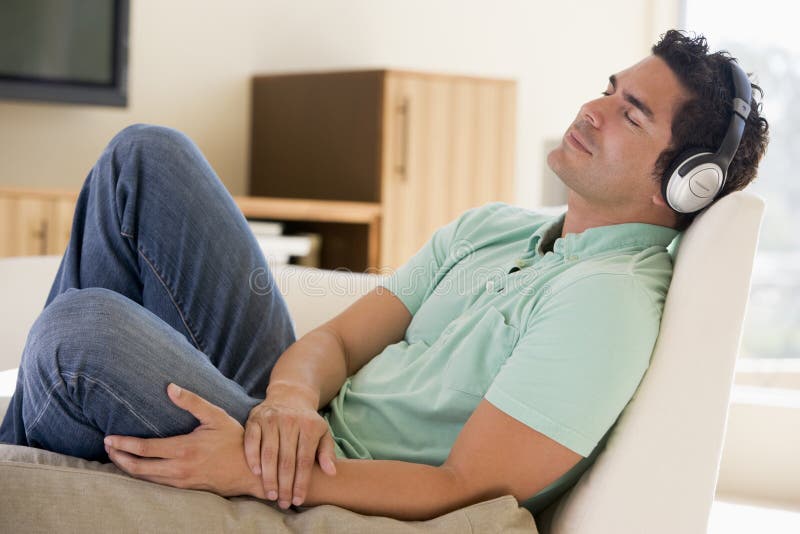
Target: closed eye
[(627, 115)]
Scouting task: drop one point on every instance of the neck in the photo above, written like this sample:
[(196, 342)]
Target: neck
[(581, 216)]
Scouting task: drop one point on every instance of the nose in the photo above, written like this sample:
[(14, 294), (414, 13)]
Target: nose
[(592, 112)]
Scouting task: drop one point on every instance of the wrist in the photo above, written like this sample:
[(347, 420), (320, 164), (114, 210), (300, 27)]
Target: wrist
[(293, 394), (255, 487)]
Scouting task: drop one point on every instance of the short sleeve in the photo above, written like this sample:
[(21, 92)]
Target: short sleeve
[(579, 360), (416, 279)]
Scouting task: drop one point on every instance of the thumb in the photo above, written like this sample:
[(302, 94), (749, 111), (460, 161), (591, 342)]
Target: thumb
[(204, 411), (326, 454)]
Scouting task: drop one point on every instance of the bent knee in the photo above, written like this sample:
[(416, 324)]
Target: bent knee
[(72, 322), (81, 314), (74, 301), (150, 137)]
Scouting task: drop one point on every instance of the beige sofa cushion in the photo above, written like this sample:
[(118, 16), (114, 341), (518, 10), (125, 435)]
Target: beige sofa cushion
[(48, 492)]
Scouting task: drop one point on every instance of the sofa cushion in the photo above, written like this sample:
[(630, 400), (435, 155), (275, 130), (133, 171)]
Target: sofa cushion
[(44, 491)]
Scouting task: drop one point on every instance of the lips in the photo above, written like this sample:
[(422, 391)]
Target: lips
[(574, 139)]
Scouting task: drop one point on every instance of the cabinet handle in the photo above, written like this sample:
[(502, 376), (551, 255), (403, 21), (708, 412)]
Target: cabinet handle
[(402, 167), (41, 235)]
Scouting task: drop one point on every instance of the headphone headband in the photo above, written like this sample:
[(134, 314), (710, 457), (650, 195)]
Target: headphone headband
[(741, 110)]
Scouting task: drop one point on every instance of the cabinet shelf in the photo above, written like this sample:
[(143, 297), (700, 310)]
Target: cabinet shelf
[(295, 209), (331, 218)]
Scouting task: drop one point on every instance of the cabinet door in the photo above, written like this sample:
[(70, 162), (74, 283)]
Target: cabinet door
[(7, 226), (394, 168), (495, 132), (449, 146), (415, 173), (483, 143), (33, 222), (58, 236)]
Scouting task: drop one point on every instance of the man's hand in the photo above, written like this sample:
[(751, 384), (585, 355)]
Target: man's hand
[(209, 458), (283, 435)]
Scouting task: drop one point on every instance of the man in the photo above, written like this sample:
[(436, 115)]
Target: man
[(494, 362)]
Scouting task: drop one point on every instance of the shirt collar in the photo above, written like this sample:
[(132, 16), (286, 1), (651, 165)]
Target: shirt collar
[(599, 239), (546, 233)]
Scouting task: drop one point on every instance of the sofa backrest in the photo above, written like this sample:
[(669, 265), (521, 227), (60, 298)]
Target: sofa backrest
[(24, 286), (315, 295), (312, 296), (659, 469)]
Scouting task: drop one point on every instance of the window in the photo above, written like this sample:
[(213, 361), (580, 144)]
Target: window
[(765, 40)]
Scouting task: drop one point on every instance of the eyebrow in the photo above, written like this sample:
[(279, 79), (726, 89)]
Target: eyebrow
[(634, 101)]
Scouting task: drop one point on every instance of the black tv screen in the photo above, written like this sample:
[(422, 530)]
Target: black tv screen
[(64, 51)]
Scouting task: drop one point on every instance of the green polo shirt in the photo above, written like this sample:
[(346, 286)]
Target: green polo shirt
[(560, 344)]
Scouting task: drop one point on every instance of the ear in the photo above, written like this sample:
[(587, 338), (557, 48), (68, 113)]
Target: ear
[(658, 199)]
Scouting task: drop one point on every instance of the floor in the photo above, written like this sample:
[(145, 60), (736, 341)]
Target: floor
[(731, 517)]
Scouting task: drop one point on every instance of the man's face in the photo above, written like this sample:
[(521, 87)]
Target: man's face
[(608, 153)]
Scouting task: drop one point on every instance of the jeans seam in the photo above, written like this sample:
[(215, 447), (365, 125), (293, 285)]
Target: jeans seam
[(171, 298), (44, 408), (119, 399)]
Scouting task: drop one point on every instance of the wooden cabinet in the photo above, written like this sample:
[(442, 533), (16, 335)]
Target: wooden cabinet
[(423, 147), (35, 222)]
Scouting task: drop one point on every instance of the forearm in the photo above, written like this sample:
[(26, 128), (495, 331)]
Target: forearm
[(315, 364), (402, 490)]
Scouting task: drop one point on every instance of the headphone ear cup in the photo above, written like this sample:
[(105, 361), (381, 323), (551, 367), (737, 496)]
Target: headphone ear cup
[(672, 169)]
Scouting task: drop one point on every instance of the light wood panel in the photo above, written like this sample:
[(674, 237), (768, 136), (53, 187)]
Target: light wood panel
[(464, 146), (508, 142), (392, 117), (394, 168), (436, 182), (449, 147), (58, 238), (308, 210), (34, 220), (487, 166), (415, 196), (8, 217)]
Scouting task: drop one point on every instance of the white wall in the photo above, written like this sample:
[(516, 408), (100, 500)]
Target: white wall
[(190, 62), (759, 455)]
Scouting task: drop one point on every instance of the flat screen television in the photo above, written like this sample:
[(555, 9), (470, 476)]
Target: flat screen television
[(64, 51)]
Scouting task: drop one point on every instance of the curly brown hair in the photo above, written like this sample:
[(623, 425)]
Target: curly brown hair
[(701, 121)]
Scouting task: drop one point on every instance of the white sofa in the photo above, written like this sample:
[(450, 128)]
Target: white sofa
[(656, 475)]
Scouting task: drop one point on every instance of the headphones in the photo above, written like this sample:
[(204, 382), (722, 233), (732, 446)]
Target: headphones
[(696, 176)]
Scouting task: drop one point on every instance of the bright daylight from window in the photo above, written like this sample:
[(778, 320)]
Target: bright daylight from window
[(764, 38)]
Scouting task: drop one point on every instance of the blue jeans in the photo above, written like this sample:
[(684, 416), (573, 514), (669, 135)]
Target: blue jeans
[(156, 286)]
